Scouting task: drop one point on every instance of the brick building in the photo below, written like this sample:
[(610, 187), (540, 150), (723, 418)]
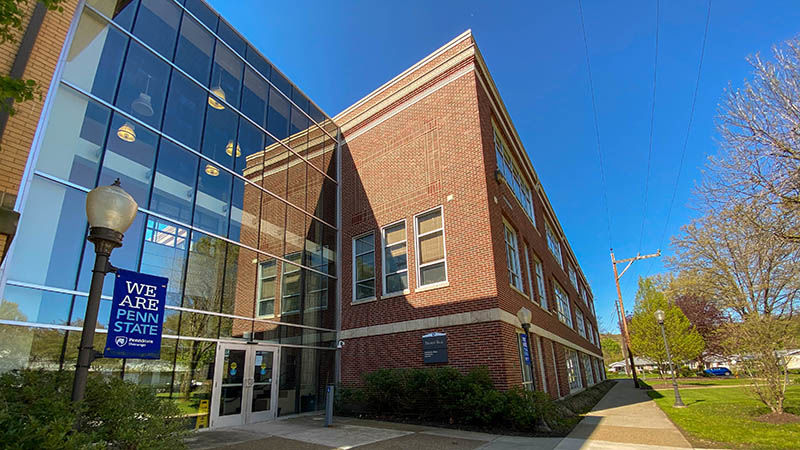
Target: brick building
[(446, 229)]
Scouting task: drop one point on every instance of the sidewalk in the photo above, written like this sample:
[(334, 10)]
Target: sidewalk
[(626, 418)]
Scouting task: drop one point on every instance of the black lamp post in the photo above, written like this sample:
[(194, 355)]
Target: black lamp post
[(110, 211), (524, 316), (678, 401)]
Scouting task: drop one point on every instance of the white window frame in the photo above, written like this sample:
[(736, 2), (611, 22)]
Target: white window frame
[(297, 269), (573, 370), (584, 296), (528, 271), (587, 368), (508, 169), (512, 256), (374, 262), (573, 277), (562, 304), (553, 244), (384, 274), (418, 255), (275, 293), (580, 323), (538, 269)]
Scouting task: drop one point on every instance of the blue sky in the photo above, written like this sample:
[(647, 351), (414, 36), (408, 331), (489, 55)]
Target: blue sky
[(338, 52)]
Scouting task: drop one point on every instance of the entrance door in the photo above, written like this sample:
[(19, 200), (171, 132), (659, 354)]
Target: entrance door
[(245, 384)]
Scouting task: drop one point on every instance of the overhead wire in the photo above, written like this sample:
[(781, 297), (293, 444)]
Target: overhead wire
[(652, 123)]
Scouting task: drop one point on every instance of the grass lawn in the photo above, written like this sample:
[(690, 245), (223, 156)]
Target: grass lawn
[(715, 417)]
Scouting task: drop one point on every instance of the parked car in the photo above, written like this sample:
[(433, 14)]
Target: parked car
[(718, 372)]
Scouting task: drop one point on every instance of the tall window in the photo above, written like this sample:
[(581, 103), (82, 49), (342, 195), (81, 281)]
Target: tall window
[(537, 269), (587, 368), (562, 304), (512, 257), (585, 296), (525, 361), (553, 243), (266, 288), (528, 271), (573, 371), (364, 267), (579, 322), (431, 257), (573, 277), (395, 259), (509, 171), (290, 298)]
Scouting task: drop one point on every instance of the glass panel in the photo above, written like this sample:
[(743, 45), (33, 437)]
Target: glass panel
[(110, 367), (230, 37), (203, 13), (249, 158), (295, 233), (254, 97), (79, 313), (429, 221), (184, 117), (74, 137), (213, 199), (227, 75), (155, 373), (233, 370), (328, 202), (95, 56), (395, 233), (298, 131), (130, 162), (314, 183), (219, 138), (329, 249), (397, 282), (432, 274), (194, 375), (273, 176), (292, 282), (262, 381), (173, 188), (29, 348), (120, 11), (204, 275), (32, 305), (195, 47), (126, 257), (164, 254), (299, 99), (365, 243), (278, 115), (281, 82), (289, 394), (365, 289), (365, 266), (395, 258), (143, 86), (431, 247), (241, 225), (51, 235), (240, 282), (273, 223), (157, 25), (258, 62)]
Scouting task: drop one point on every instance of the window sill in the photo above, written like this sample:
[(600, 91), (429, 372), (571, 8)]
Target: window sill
[(268, 316), (396, 294), (364, 300), (431, 287), (519, 291)]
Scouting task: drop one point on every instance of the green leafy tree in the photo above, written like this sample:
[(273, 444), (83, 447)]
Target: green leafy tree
[(685, 342), (612, 349), (12, 17)]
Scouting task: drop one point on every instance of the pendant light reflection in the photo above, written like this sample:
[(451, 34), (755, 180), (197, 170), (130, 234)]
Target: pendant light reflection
[(229, 149), (142, 105), (219, 93), (126, 132), (211, 170)]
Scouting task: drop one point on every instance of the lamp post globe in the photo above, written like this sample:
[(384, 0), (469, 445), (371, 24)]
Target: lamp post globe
[(660, 316), (110, 212), (524, 316)]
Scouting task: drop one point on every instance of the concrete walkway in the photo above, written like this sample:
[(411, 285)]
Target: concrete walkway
[(626, 418)]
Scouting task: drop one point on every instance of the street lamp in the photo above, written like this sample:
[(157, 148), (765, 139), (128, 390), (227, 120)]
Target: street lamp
[(524, 316), (678, 401), (110, 211)]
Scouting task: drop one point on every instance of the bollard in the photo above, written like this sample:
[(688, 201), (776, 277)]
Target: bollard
[(329, 405)]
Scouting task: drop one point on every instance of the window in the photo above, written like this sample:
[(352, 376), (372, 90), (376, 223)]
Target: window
[(267, 275), (290, 292), (589, 332), (573, 277), (562, 303), (587, 368), (165, 233), (509, 171), (581, 325), (528, 271), (364, 267), (553, 243), (395, 259), (537, 269), (585, 296), (512, 257), (525, 361), (431, 256), (573, 371)]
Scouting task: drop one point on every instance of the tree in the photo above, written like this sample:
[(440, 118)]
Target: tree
[(685, 342), (704, 314), (612, 348), (12, 17), (751, 273)]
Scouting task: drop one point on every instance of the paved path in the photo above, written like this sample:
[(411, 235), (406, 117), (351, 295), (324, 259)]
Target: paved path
[(626, 418)]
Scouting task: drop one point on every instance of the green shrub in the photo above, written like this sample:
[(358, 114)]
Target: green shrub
[(36, 411)]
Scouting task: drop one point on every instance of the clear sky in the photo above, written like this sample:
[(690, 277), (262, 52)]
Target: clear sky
[(339, 51)]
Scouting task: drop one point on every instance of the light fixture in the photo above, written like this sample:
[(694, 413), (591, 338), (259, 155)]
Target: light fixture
[(142, 105), (660, 316), (211, 170), (524, 316), (229, 149), (126, 132), (110, 207), (213, 101)]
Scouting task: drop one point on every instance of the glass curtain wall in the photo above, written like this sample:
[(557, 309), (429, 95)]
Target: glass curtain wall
[(234, 172)]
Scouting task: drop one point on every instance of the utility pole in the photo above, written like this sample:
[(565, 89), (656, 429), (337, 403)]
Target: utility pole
[(625, 336), (624, 347)]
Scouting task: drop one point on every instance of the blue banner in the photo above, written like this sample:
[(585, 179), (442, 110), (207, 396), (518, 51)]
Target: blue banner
[(523, 339), (137, 316)]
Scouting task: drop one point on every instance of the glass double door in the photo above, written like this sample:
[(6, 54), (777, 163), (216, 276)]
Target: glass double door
[(245, 384)]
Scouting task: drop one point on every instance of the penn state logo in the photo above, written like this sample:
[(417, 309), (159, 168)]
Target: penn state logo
[(121, 341)]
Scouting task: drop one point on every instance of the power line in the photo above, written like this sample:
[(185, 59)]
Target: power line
[(596, 125), (688, 127), (652, 122)]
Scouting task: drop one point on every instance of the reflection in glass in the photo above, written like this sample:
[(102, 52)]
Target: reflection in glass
[(226, 33), (212, 203), (108, 367), (233, 371), (221, 125), (126, 257), (120, 11), (95, 56), (267, 280), (254, 97), (29, 348), (32, 305), (258, 62), (262, 381), (278, 115), (296, 183), (194, 369), (173, 188), (292, 282), (130, 162), (250, 161), (203, 13), (195, 46), (204, 278), (164, 254), (143, 86), (157, 25), (184, 116), (227, 74), (273, 222), (155, 373)]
